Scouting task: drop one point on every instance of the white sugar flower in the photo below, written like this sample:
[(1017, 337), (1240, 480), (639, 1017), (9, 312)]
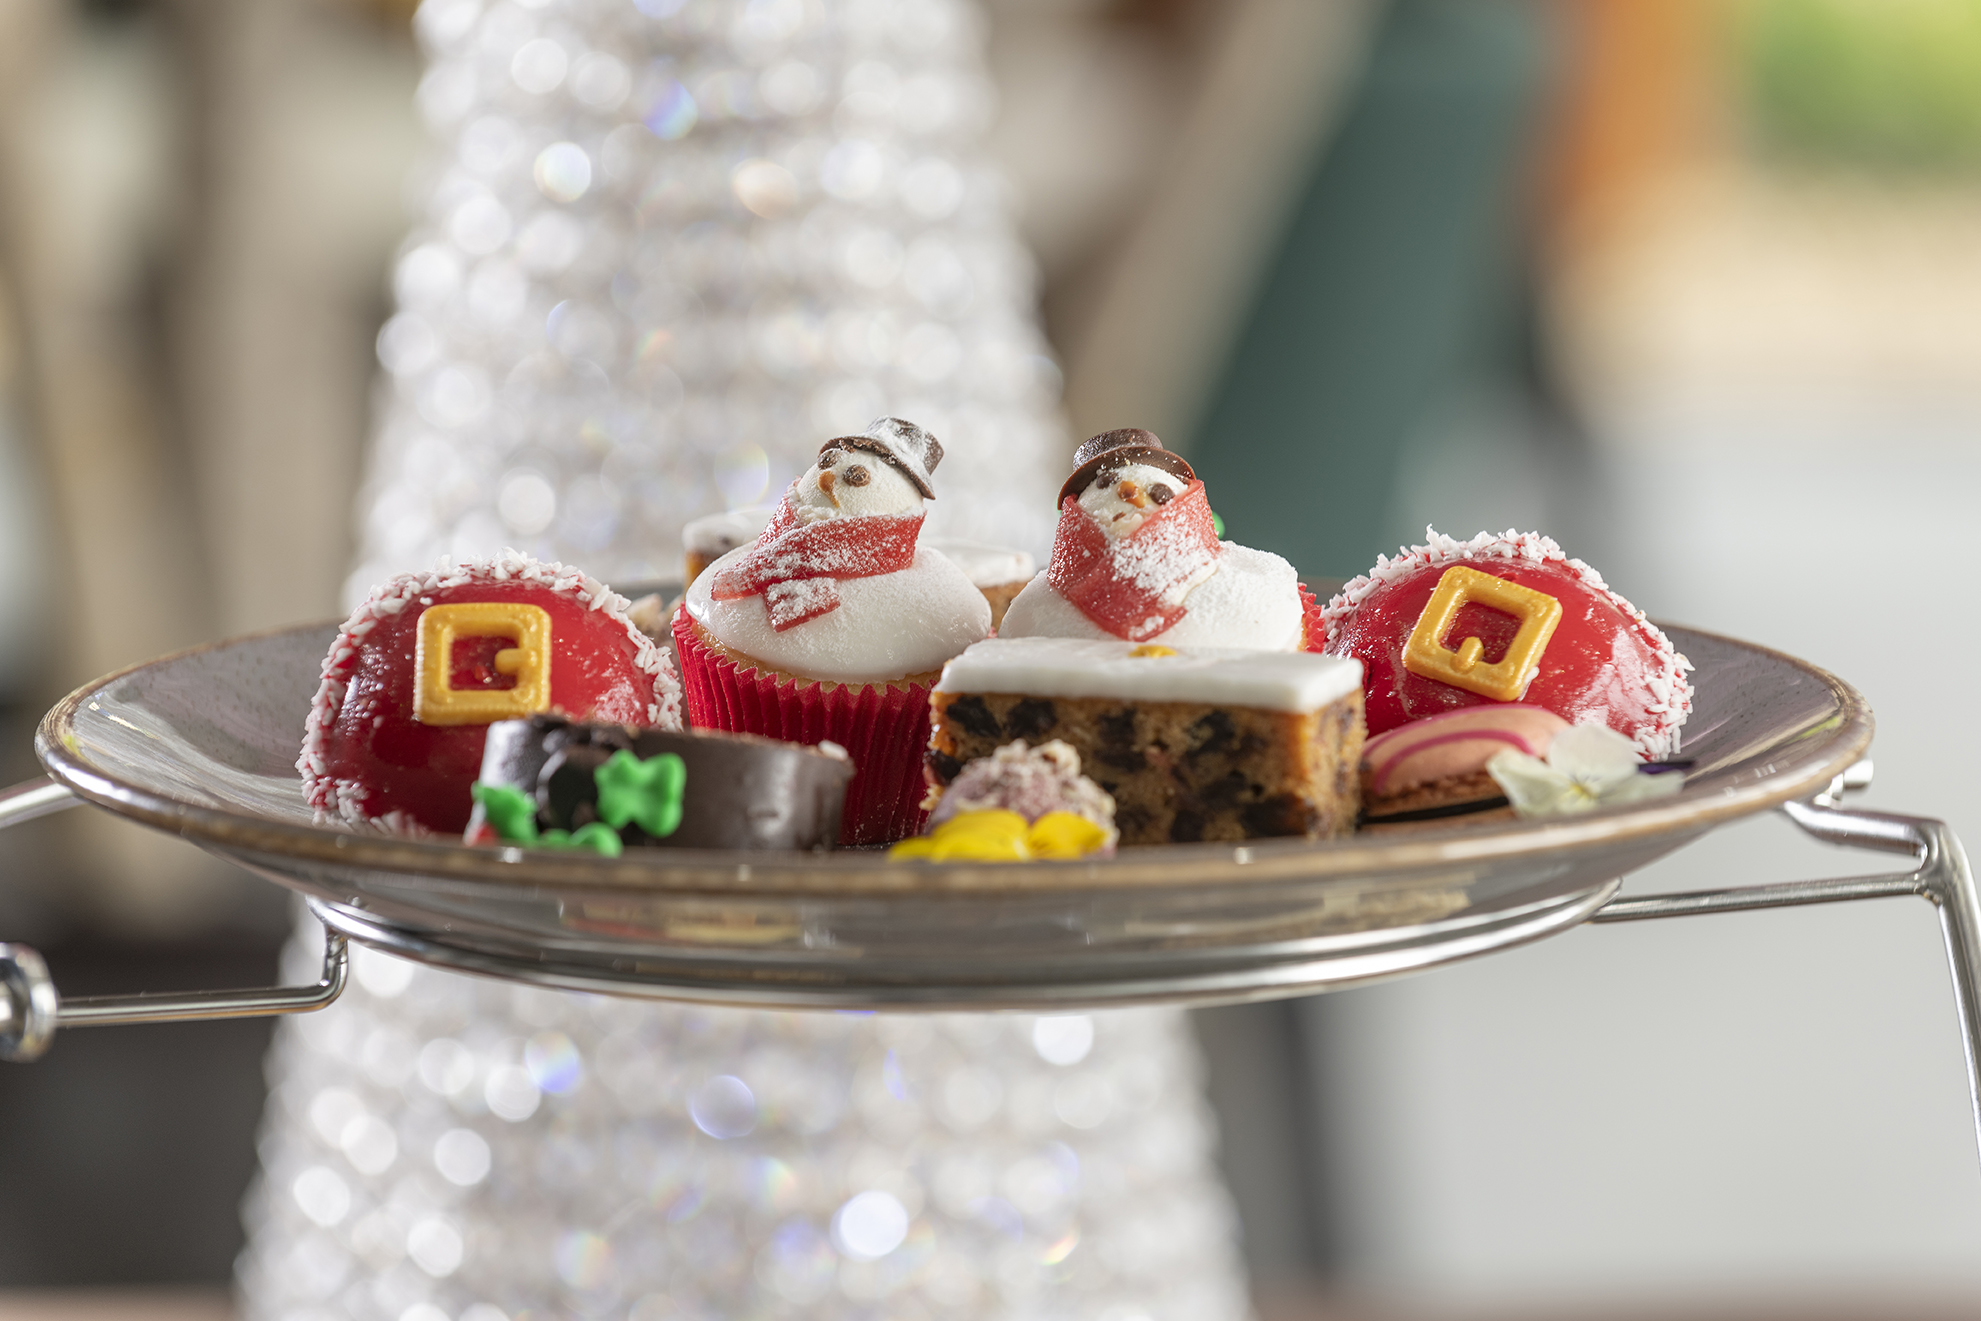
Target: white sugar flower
[(1588, 766)]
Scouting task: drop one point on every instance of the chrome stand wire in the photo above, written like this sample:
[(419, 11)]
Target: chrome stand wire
[(31, 1009), (1939, 874), (39, 797)]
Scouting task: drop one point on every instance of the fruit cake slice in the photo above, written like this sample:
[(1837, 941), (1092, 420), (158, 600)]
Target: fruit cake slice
[(1196, 744)]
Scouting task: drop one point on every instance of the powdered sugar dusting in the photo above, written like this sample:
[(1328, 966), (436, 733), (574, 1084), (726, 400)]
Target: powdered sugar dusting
[(850, 547), (792, 603), (1167, 563), (1671, 692), (888, 626), (795, 566), (1251, 599), (344, 800)]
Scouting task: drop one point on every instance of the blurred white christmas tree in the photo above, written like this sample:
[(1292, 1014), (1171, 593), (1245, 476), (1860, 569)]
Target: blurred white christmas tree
[(668, 248), (444, 1147), (671, 246)]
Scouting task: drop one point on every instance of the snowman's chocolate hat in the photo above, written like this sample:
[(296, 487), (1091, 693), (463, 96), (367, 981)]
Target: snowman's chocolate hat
[(1113, 450), (914, 451)]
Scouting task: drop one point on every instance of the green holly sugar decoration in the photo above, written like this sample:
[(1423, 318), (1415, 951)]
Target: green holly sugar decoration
[(1217, 525), (510, 814), (513, 817), (593, 835), (646, 793)]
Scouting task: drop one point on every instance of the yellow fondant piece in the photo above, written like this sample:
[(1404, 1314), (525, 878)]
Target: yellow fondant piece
[(1153, 649), (437, 702), (991, 835), (995, 835), (1426, 655), (1064, 835)]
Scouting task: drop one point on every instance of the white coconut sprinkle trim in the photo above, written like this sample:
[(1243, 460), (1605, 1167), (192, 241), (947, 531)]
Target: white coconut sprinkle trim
[(344, 800), (1671, 691)]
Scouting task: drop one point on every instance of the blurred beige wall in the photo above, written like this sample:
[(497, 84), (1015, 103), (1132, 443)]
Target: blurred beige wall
[(200, 202), (1777, 363)]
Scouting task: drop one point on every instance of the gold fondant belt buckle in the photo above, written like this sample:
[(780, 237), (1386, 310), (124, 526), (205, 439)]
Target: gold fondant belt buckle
[(1507, 679), (437, 702)]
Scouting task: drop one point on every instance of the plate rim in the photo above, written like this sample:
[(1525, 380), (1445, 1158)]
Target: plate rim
[(1413, 949), (866, 875)]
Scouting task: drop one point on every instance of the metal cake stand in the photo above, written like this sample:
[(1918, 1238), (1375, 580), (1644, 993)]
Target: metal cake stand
[(203, 745)]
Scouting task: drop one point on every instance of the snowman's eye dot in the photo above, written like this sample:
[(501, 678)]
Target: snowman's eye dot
[(856, 476), (1161, 494), (827, 458)]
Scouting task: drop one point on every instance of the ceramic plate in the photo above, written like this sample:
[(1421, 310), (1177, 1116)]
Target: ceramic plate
[(204, 744)]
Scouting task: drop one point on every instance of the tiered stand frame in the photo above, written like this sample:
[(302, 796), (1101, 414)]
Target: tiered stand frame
[(202, 745)]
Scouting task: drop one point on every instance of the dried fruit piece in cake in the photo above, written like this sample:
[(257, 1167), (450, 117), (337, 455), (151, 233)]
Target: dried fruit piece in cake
[(548, 776), (1508, 618), (429, 660), (834, 623), (1192, 744), (1439, 763), (1136, 557)]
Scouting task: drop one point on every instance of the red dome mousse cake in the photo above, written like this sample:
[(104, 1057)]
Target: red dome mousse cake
[(430, 660), (1507, 619)]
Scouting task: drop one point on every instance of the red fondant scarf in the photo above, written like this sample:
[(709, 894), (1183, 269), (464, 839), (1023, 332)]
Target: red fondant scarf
[(796, 567), (1133, 587)]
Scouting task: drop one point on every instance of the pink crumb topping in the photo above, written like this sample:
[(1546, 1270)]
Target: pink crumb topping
[(1028, 781)]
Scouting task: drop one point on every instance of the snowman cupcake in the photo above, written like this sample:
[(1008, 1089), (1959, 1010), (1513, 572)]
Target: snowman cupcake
[(835, 624), (1137, 558)]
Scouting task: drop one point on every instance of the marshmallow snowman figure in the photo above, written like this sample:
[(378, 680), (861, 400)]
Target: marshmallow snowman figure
[(885, 470), (1123, 500), (838, 586), (1174, 583), (846, 481)]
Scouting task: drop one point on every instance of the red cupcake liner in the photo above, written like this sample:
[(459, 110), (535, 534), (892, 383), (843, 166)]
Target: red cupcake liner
[(884, 727), (1313, 629)]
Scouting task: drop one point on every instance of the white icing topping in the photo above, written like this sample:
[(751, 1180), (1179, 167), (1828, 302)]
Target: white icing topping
[(852, 481), (1120, 501), (984, 564), (886, 627), (1226, 676), (1252, 601), (1671, 692), (719, 534)]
